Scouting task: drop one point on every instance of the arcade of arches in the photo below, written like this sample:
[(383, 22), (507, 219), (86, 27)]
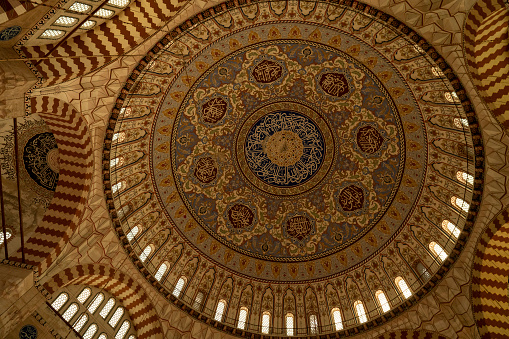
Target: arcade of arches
[(254, 169)]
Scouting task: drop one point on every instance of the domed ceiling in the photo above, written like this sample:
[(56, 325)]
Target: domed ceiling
[(288, 147)]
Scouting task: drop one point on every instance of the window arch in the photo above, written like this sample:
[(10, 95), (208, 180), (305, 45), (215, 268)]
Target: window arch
[(123, 330), (336, 319), (382, 299), (70, 312), (266, 322), (146, 252), (465, 178), (241, 323), (132, 233), (118, 137), (95, 303), (423, 272), (59, 301), (198, 300), (179, 286), (8, 235), (107, 308), (313, 324), (119, 312), (78, 325), (90, 331), (403, 287), (460, 203), (451, 96), (360, 311), (116, 162), (221, 305), (290, 323), (438, 251), (84, 295), (450, 228), (103, 336), (460, 122), (161, 271)]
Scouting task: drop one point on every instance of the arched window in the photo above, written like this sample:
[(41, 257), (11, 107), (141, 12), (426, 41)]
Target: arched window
[(161, 271), (107, 308), (266, 322), (123, 211), (118, 137), (451, 96), (460, 203), (146, 252), (116, 162), (117, 187), (460, 122), (241, 324), (290, 320), (132, 233), (123, 330), (8, 235), (178, 287), (382, 299), (70, 312), (78, 325), (336, 318), (221, 305), (126, 111), (361, 312), (423, 272), (438, 251), (103, 336), (119, 312), (313, 324), (60, 301), (90, 331), (465, 177), (95, 303), (403, 287), (132, 337), (198, 300), (437, 72), (450, 228), (85, 293)]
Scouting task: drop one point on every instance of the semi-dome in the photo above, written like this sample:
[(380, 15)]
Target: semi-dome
[(303, 165)]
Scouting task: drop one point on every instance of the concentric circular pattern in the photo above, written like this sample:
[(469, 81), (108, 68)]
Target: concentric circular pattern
[(299, 143)]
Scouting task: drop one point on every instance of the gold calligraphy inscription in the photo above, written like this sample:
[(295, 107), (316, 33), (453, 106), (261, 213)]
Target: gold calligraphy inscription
[(298, 227), (334, 84), (240, 216), (267, 71), (214, 110), (205, 170), (351, 198), (369, 139)]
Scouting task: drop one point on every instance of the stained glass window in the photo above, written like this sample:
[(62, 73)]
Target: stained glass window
[(460, 203), (70, 312), (118, 3), (67, 21), (460, 122), (382, 299), (289, 324), (132, 337), (107, 308), (104, 13), (8, 235), (132, 233), (178, 287), (119, 312), (451, 96), (220, 310), (313, 324), (451, 228), (117, 187), (119, 161), (84, 295), (438, 251), (242, 318), (146, 253), (52, 34), (403, 287), (90, 332), (60, 301), (361, 312), (123, 330), (465, 177), (198, 300), (160, 272), (266, 322), (78, 325), (80, 7), (95, 303), (423, 272), (88, 24), (102, 336), (336, 317)]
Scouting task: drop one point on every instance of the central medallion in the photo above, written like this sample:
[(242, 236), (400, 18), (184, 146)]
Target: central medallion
[(281, 148), (284, 149)]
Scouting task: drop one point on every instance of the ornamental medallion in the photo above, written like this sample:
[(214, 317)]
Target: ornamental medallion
[(334, 84), (369, 139), (214, 110), (205, 170), (240, 216), (351, 198), (267, 71), (298, 227)]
